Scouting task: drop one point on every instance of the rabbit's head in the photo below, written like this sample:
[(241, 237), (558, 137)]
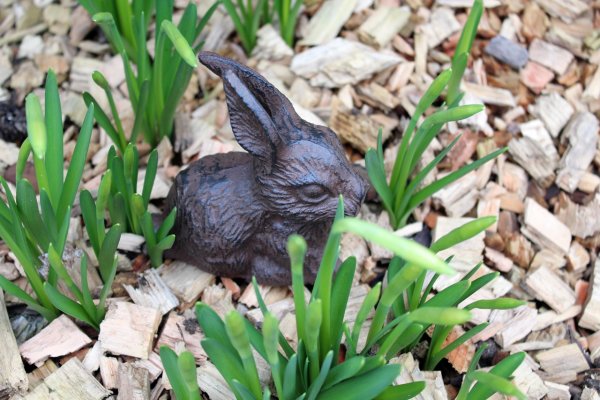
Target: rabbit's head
[(301, 168)]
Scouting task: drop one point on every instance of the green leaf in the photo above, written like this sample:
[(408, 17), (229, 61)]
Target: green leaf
[(236, 331), (103, 120), (108, 251), (365, 386), (226, 360), (181, 372), (36, 127), (463, 47), (181, 45), (315, 388), (432, 188), (501, 303), (450, 296), (290, 381), (498, 384), (68, 306), (24, 152), (365, 309), (343, 371), (150, 176), (462, 233), (296, 247), (167, 224), (77, 164), (401, 170), (402, 392), (406, 249), (29, 214), (314, 319), (503, 369), (54, 130), (19, 293), (339, 300), (88, 211)]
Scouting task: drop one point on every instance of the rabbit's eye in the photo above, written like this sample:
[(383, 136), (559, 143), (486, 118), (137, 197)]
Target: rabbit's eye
[(314, 192)]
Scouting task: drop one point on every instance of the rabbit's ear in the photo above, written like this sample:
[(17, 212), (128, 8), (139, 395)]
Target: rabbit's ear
[(257, 110), (251, 124)]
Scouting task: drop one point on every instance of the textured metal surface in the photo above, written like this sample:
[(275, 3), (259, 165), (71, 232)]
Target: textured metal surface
[(235, 211)]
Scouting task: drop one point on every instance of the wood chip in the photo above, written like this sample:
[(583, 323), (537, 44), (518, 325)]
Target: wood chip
[(151, 291), (592, 89), (381, 26), (490, 95), (543, 228), (528, 382), (581, 135), (582, 220), (556, 391), (467, 3), (554, 111), (13, 378), (466, 254), (590, 319), (71, 381), (358, 129), (129, 329), (516, 324), (547, 286), (565, 9), (131, 242), (134, 383), (536, 77), (578, 258), (442, 24), (212, 383), (186, 281), (498, 260), (270, 45), (59, 338), (562, 358), (459, 197), (109, 371), (535, 152), (590, 394), (182, 329), (550, 56), (327, 22), (91, 361), (410, 372), (340, 62)]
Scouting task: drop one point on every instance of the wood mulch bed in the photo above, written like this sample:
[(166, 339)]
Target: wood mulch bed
[(358, 65)]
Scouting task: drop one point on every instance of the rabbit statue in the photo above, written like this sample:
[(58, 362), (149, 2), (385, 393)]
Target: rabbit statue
[(235, 211)]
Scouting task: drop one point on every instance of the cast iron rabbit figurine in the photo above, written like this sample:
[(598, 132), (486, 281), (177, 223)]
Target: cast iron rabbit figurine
[(235, 211)]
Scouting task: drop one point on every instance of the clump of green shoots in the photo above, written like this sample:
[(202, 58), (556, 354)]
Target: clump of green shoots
[(317, 368), (33, 230), (158, 83), (420, 294), (129, 208), (80, 303), (248, 17), (402, 194)]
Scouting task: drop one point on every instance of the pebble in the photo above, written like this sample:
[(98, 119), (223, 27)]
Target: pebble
[(507, 51)]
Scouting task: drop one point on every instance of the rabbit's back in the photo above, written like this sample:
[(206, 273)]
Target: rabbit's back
[(216, 200)]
